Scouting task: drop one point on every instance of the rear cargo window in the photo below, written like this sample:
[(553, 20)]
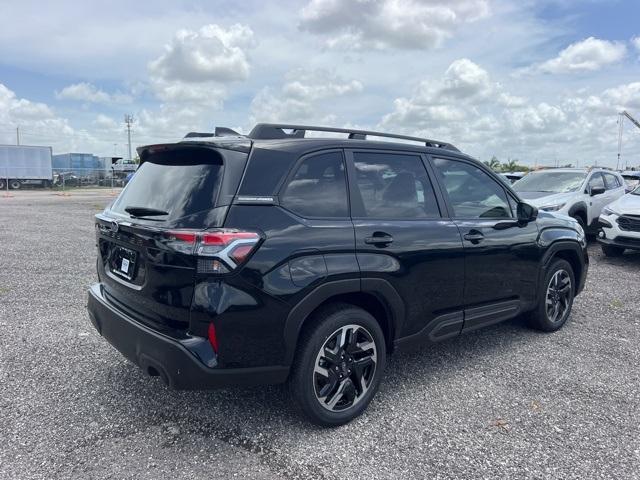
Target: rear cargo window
[(178, 182)]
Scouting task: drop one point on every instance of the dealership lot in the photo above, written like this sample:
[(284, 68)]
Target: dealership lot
[(505, 402)]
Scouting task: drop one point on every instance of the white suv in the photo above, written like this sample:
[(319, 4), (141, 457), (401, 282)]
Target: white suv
[(620, 222), (578, 193)]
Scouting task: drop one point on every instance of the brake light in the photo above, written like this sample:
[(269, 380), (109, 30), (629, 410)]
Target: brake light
[(222, 250), (213, 338)]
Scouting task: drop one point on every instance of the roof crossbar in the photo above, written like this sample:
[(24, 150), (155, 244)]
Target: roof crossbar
[(276, 131)]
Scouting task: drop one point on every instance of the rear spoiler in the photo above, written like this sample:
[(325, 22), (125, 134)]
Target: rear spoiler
[(227, 143)]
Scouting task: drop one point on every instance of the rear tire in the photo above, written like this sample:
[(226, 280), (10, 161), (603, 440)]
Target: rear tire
[(338, 366), (556, 299), (612, 250), (15, 184), (3, 184)]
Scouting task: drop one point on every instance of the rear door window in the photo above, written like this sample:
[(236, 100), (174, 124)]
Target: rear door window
[(318, 187), (178, 182), (394, 186)]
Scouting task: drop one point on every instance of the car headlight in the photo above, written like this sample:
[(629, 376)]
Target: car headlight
[(608, 211), (552, 208)]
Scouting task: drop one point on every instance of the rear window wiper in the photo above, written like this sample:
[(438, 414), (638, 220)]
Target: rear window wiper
[(145, 212)]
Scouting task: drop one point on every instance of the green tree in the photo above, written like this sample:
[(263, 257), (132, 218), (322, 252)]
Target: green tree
[(493, 164), (510, 166)]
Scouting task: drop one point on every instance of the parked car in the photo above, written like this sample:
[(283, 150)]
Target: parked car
[(620, 222), (68, 179), (271, 257), (578, 193), (631, 178)]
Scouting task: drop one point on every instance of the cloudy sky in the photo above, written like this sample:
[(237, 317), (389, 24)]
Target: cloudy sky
[(540, 81)]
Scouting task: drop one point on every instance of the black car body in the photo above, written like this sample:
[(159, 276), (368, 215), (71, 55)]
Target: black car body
[(222, 250)]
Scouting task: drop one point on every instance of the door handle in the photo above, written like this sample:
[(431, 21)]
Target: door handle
[(379, 239), (474, 236)]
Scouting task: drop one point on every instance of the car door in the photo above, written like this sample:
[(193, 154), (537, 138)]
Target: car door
[(501, 255), (596, 202), (403, 239)]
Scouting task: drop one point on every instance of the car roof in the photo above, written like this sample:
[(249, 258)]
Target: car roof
[(317, 143), (298, 139), (575, 170)]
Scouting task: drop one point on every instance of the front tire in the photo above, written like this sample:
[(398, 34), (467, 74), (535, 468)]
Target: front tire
[(339, 364), (15, 184), (612, 250), (556, 299)]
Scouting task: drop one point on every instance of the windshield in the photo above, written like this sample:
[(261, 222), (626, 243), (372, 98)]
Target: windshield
[(172, 185), (631, 182), (550, 181), (636, 191)]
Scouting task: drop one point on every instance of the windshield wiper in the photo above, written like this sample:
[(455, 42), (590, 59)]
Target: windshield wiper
[(145, 212)]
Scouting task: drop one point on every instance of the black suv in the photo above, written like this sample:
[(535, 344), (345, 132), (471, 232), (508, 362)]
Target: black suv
[(271, 257)]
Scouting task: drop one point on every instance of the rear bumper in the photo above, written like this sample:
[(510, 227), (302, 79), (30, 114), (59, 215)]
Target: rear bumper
[(175, 361)]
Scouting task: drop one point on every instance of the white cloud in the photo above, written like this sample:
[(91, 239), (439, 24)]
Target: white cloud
[(463, 85), (305, 96), (636, 43), (17, 110), (464, 79), (585, 56), (381, 24), (623, 96), (198, 65), (86, 92), (204, 94), (488, 120), (211, 53), (103, 122)]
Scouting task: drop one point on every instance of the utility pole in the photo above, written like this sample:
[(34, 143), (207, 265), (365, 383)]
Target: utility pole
[(128, 120), (18, 135)]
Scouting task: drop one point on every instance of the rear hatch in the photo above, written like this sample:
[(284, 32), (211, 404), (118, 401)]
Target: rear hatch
[(145, 259)]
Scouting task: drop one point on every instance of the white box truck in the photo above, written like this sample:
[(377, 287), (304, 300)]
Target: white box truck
[(25, 165)]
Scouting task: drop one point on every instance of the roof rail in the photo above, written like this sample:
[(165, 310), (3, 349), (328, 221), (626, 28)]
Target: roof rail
[(276, 131)]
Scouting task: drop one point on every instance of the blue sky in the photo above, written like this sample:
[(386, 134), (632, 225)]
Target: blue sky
[(537, 81)]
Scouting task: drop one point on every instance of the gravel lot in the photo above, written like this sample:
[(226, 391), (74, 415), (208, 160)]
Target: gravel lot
[(505, 402)]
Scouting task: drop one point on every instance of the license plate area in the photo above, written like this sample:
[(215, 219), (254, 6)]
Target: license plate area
[(123, 262)]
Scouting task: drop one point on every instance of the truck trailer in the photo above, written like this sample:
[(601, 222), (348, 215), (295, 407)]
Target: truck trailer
[(22, 165)]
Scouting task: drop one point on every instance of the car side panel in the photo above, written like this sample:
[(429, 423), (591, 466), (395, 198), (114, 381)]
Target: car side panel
[(250, 309)]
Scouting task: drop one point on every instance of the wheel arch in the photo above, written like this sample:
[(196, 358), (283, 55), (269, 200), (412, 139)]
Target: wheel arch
[(579, 209), (568, 250), (376, 296)]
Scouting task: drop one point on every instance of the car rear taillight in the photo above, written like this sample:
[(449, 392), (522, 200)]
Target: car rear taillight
[(218, 251), (213, 338)]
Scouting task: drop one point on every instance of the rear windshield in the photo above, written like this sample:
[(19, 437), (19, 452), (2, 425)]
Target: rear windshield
[(178, 182)]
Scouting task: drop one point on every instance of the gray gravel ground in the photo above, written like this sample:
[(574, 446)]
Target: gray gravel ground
[(505, 402)]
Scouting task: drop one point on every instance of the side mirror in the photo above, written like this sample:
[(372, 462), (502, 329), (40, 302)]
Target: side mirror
[(526, 213), (593, 191)]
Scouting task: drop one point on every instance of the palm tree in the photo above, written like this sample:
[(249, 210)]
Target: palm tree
[(493, 164), (511, 165)]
